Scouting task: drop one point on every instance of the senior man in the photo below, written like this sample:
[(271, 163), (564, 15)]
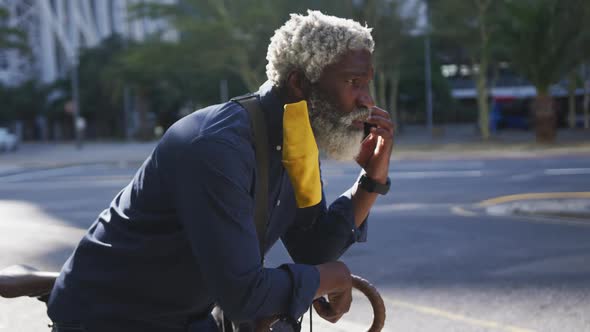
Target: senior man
[(181, 237)]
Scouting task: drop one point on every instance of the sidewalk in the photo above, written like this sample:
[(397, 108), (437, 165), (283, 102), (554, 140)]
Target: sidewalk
[(33, 156), (573, 208), (457, 141)]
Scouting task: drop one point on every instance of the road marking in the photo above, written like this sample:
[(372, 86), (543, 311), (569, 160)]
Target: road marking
[(522, 177), (410, 206), (449, 165), (532, 196), (567, 171), (39, 174), (55, 185), (456, 317), (462, 212), (542, 219), (435, 174), (411, 174)]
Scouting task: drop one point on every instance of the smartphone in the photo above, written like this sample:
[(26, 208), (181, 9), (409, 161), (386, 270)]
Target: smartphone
[(367, 128)]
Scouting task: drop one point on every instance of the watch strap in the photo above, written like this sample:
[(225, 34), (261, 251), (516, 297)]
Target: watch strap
[(372, 186)]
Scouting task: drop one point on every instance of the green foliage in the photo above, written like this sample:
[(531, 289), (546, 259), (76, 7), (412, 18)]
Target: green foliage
[(22, 102), (11, 38), (466, 29), (228, 40), (391, 35), (412, 87), (98, 102), (217, 37), (544, 39), (231, 37), (25, 100)]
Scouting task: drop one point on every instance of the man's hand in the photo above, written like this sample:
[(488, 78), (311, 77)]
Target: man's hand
[(376, 149), (336, 283), (335, 307)]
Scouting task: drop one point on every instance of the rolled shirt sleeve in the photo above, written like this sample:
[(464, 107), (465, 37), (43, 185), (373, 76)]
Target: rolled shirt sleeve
[(359, 233), (213, 195), (320, 234)]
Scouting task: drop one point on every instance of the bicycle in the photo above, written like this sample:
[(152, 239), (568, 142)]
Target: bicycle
[(22, 280)]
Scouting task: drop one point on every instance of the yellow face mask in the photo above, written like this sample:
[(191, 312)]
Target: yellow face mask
[(300, 155)]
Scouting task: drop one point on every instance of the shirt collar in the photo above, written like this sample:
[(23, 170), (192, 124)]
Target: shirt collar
[(273, 108)]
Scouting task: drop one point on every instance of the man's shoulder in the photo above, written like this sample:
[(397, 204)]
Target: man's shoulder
[(226, 123)]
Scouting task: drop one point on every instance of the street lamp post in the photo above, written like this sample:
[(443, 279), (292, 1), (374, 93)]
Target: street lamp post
[(428, 71), (77, 120), (74, 39)]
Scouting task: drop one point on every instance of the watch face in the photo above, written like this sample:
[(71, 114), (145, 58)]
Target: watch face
[(367, 184)]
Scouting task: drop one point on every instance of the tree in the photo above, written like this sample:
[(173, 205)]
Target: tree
[(543, 39), (585, 72), (222, 36), (391, 34), (217, 40), (24, 103), (98, 104), (586, 102), (470, 27), (573, 81), (10, 37), (229, 39), (139, 67), (412, 82)]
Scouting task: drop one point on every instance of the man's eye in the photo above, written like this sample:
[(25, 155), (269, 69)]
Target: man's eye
[(355, 82)]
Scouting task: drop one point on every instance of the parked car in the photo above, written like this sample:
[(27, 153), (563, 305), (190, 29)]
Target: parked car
[(8, 141)]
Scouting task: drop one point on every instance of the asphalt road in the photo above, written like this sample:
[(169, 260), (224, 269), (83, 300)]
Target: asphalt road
[(436, 269)]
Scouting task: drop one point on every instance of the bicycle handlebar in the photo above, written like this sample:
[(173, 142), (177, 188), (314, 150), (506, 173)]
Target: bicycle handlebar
[(22, 280)]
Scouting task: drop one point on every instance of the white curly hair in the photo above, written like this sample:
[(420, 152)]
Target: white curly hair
[(310, 43)]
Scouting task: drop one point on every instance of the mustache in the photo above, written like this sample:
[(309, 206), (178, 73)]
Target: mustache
[(358, 114)]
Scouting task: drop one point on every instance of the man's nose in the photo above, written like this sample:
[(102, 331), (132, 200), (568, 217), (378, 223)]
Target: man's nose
[(365, 99)]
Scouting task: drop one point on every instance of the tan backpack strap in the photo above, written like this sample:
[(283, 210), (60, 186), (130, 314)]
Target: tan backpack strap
[(259, 131)]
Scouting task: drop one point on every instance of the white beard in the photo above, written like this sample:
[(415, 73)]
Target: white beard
[(333, 130)]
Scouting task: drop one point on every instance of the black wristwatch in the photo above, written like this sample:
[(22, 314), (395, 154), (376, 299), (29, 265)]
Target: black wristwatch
[(372, 186)]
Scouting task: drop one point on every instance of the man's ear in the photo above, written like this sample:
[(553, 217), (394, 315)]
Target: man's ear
[(298, 86)]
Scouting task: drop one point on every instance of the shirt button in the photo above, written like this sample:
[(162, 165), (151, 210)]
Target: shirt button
[(279, 202), (279, 148)]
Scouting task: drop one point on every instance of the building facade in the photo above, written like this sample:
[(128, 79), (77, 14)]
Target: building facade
[(57, 29)]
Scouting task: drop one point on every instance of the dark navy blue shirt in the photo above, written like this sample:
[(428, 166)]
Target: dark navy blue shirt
[(181, 236)]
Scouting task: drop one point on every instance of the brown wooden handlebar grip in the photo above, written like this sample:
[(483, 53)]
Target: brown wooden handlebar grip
[(364, 287), (375, 299), (22, 280)]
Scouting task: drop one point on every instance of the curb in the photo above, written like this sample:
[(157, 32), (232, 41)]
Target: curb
[(508, 206), (558, 214), (33, 169)]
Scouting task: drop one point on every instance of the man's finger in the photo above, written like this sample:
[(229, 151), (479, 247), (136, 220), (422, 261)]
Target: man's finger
[(367, 149), (341, 303), (380, 122), (325, 310), (384, 133), (380, 112)]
